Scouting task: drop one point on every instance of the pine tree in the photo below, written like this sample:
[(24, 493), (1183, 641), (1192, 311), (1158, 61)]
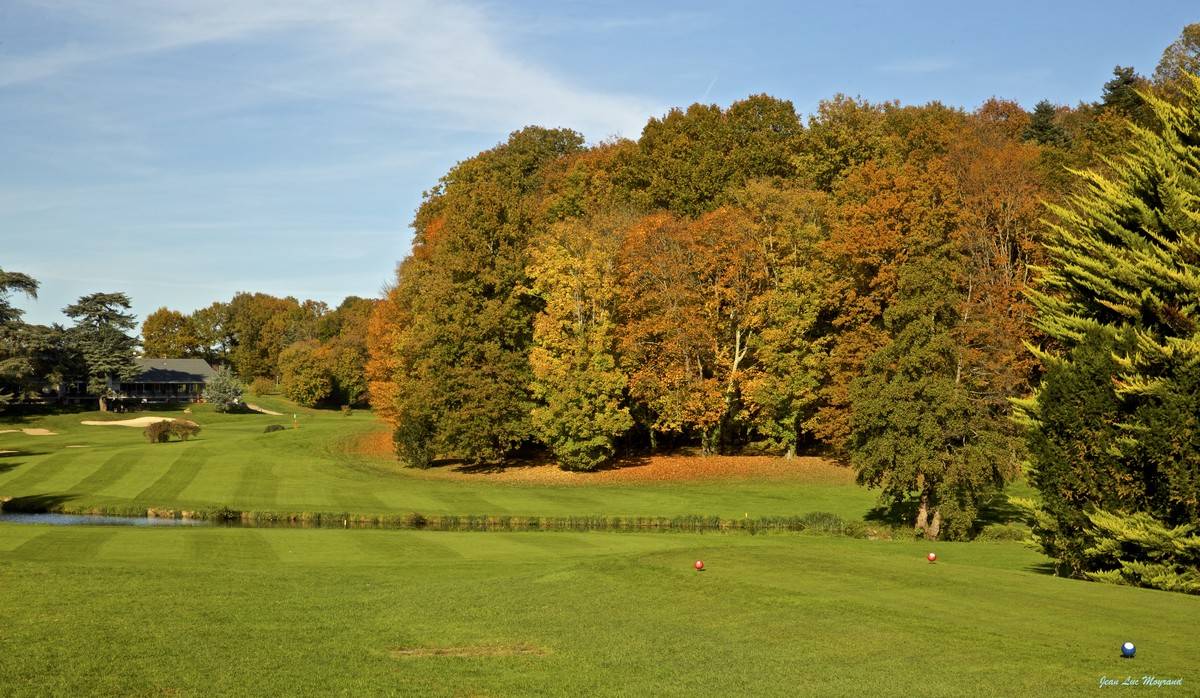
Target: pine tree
[(1043, 127)]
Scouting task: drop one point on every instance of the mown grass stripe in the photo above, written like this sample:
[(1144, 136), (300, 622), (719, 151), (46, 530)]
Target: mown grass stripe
[(34, 474), (225, 545), (398, 546), (111, 470), (258, 484), (178, 476), (62, 543)]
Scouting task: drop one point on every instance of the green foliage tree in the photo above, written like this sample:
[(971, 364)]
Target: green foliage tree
[(99, 335), (688, 160), (783, 393), (1121, 95), (14, 361), (1122, 278), (916, 427), (581, 408), (224, 391), (213, 328), (461, 365)]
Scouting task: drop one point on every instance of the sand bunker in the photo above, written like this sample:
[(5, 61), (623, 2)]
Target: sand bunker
[(136, 422), (30, 432), (5, 453), (263, 410), (77, 446)]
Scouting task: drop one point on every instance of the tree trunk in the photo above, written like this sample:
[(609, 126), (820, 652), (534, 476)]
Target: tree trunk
[(922, 522), (935, 526), (791, 452)]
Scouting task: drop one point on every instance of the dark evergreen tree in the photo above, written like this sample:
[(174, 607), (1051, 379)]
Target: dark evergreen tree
[(14, 359), (1121, 95), (100, 335), (1043, 127)]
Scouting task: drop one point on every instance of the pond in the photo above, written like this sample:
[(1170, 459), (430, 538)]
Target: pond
[(47, 519)]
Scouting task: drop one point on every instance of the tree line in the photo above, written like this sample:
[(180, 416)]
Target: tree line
[(865, 282), (310, 352)]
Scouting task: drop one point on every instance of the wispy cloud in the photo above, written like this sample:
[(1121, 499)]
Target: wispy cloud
[(918, 66), (421, 56)]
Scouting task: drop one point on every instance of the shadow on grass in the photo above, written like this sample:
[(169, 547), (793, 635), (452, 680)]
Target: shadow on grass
[(996, 511), (466, 467), (1046, 568), (35, 503), (8, 459)]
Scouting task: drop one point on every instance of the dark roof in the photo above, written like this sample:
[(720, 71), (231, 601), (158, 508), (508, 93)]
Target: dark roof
[(173, 371)]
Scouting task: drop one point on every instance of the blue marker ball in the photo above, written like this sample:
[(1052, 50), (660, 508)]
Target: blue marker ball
[(1127, 650)]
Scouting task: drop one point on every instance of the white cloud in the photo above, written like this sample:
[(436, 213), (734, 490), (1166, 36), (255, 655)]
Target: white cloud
[(427, 57)]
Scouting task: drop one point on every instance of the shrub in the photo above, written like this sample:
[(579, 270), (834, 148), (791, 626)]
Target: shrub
[(224, 390), (263, 386), (347, 411), (1004, 532), (158, 432), (272, 428), (184, 429)]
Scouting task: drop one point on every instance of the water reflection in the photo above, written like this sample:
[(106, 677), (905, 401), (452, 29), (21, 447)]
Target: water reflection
[(84, 520)]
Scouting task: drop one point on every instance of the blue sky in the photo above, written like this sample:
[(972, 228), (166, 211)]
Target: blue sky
[(184, 150)]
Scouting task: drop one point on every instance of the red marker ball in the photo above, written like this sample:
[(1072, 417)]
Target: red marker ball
[(699, 565), (932, 557)]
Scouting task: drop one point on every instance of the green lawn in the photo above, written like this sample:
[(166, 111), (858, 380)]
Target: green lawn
[(234, 464), (121, 611)]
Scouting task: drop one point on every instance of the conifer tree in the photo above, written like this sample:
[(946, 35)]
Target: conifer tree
[(100, 336), (1043, 127), (1123, 278)]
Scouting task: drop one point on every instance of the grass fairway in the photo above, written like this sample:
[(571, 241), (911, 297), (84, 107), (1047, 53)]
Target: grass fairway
[(313, 469), (120, 611)]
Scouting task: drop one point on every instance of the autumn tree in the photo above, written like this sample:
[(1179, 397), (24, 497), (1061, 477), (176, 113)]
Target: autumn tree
[(577, 383), (261, 326), (784, 392), (169, 334), (1179, 60), (305, 375), (462, 370), (690, 313)]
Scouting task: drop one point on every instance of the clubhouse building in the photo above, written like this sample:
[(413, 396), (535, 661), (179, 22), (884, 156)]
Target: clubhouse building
[(158, 380)]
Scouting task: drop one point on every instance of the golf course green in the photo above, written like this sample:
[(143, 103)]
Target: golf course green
[(105, 610)]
